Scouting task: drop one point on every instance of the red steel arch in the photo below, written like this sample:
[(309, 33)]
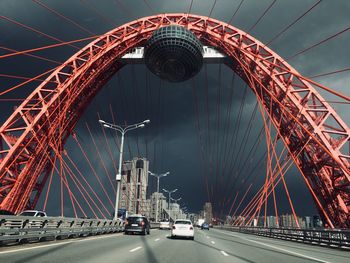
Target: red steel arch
[(312, 131)]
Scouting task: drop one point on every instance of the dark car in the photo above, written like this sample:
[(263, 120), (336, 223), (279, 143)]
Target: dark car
[(137, 224), (205, 226)]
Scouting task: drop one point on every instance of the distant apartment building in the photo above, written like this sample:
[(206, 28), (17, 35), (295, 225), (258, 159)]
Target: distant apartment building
[(134, 186), (272, 221), (208, 212), (162, 204), (176, 212), (287, 221)]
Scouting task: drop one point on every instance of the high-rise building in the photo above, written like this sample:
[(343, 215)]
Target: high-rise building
[(176, 212), (208, 212), (271, 221), (162, 204), (308, 222), (134, 186)]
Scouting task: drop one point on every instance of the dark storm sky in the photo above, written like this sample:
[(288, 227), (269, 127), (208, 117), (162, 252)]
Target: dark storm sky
[(172, 137)]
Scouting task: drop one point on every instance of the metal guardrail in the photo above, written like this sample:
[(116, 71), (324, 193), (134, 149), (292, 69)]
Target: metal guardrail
[(21, 229), (323, 237)]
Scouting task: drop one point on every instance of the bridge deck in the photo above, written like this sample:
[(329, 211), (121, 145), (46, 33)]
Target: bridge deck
[(208, 246)]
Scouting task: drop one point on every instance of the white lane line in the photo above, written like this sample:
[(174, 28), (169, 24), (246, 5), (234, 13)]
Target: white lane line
[(31, 248), (92, 238), (290, 252), (284, 250), (207, 237), (213, 242), (157, 239), (224, 253), (56, 244), (135, 249)]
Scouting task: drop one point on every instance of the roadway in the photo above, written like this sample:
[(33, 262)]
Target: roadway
[(214, 246)]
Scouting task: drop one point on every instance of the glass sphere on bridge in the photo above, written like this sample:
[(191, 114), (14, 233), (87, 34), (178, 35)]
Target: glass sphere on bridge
[(174, 53)]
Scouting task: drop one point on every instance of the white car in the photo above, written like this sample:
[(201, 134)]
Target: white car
[(164, 225), (34, 213), (182, 228)]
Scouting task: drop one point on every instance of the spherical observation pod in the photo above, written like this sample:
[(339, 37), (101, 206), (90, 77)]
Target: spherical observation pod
[(174, 53), (36, 131)]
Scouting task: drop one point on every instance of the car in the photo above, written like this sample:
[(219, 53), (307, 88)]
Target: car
[(164, 225), (182, 228), (34, 213), (205, 226), (137, 224)]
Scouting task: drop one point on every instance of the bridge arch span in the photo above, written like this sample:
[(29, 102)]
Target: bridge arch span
[(312, 131)]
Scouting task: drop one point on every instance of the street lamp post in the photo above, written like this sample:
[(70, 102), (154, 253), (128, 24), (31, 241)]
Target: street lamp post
[(123, 129), (176, 200), (170, 192), (158, 176)]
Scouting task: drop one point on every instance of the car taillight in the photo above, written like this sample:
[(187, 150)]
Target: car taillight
[(174, 227), (142, 223), (191, 228)]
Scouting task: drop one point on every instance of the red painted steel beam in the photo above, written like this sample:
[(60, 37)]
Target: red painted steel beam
[(303, 118)]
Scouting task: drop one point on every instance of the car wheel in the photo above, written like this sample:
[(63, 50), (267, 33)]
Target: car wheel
[(192, 238)]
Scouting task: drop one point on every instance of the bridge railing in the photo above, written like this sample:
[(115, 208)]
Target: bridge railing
[(322, 237), (23, 228)]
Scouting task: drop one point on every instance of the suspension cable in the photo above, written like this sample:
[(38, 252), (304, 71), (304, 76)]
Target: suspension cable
[(33, 56), (36, 31), (84, 29), (291, 24)]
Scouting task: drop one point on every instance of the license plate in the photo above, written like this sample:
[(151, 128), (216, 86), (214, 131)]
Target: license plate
[(134, 224)]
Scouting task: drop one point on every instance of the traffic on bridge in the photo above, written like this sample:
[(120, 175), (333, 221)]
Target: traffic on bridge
[(174, 131), (208, 246)]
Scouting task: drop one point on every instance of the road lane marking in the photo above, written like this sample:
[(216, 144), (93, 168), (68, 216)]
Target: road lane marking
[(92, 238), (157, 239), (291, 252), (135, 249), (281, 249), (224, 253), (58, 244), (31, 248), (213, 242), (207, 237)]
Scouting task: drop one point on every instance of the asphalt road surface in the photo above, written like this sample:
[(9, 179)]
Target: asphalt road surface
[(214, 246)]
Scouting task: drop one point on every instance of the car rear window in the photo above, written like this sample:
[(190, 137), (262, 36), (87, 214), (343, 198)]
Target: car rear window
[(135, 220), (183, 222), (27, 214)]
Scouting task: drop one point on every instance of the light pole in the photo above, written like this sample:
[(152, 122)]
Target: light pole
[(176, 200), (123, 129), (170, 192), (158, 176)]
